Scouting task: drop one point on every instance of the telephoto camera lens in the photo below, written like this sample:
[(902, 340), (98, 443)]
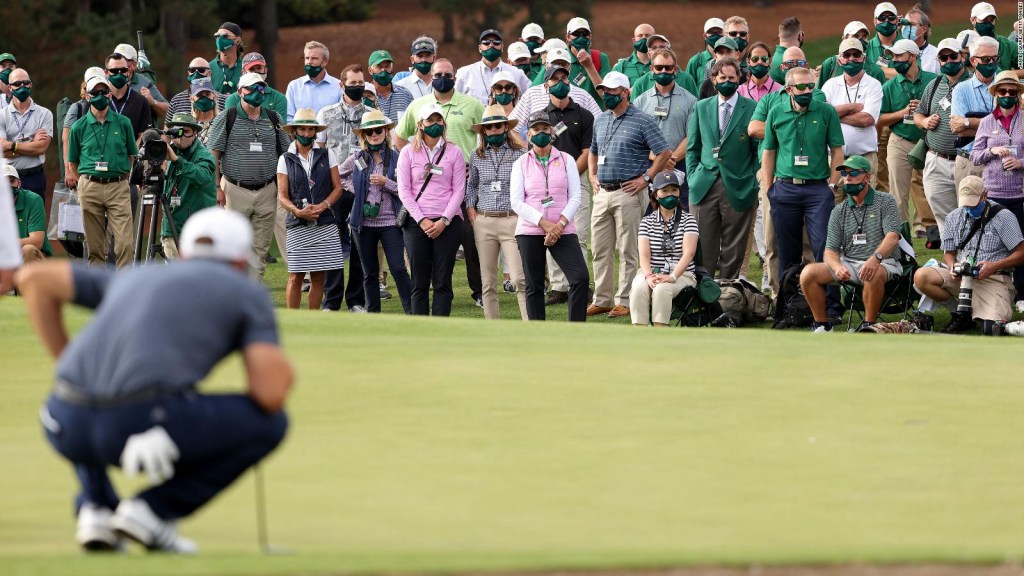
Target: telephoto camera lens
[(963, 304)]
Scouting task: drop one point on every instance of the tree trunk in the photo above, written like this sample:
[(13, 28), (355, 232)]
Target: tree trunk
[(266, 35), (449, 27), (84, 7), (175, 34)]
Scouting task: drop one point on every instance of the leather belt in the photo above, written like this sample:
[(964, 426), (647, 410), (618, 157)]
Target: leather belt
[(250, 185), (99, 180), (950, 157), (610, 186), (62, 390), (502, 214), (801, 181)]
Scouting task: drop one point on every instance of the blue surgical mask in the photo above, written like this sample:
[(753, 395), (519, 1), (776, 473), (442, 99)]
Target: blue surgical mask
[(977, 211), (909, 32)]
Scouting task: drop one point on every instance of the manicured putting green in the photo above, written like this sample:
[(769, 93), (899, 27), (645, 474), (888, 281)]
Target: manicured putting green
[(448, 445)]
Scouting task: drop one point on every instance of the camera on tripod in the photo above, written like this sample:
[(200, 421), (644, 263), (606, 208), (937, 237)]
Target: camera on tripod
[(149, 166)]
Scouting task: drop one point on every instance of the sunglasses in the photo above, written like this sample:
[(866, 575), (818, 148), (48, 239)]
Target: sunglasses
[(795, 63), (373, 131), (21, 83), (441, 75), (738, 34), (504, 87), (117, 70), (1006, 92), (889, 18), (852, 54), (663, 67), (987, 59), (851, 173), (256, 87), (100, 92), (581, 34), (949, 58), (756, 59), (491, 42), (200, 69), (807, 86)]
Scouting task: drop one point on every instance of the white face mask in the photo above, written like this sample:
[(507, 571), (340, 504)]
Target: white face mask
[(263, 76)]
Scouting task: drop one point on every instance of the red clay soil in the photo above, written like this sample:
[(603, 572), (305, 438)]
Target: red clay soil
[(397, 22)]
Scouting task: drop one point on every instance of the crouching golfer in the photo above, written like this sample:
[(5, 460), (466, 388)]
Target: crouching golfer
[(125, 393)]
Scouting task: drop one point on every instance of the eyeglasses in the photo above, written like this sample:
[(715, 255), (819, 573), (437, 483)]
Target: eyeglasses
[(807, 86), (491, 42), (795, 63), (21, 83), (499, 127), (852, 54), (851, 173), (738, 34), (100, 92), (580, 34), (440, 75), (200, 69), (504, 87), (949, 58), (987, 59), (117, 70), (663, 67), (756, 59), (256, 87), (1006, 92), (373, 131)]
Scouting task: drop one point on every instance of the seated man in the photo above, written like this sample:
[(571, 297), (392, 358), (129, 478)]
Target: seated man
[(31, 219), (986, 238), (861, 246)]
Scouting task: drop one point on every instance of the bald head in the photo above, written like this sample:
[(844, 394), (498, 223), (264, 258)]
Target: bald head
[(199, 63), (17, 75), (793, 53), (643, 31)]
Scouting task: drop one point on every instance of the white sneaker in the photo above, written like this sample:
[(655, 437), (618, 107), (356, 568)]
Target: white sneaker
[(357, 309), (1019, 306), (134, 519), (95, 532), (821, 330)]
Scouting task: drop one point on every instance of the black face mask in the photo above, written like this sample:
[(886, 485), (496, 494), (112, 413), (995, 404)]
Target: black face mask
[(443, 85), (354, 93)]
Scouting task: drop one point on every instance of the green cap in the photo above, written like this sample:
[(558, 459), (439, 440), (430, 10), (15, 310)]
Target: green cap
[(8, 56), (728, 43), (378, 56), (856, 163), (185, 119)]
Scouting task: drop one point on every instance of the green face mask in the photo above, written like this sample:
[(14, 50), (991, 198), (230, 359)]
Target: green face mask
[(664, 78), (195, 76), (313, 71), (986, 29), (712, 40), (375, 147), (541, 139), (581, 43), (118, 80), (611, 101), (901, 67), (254, 99), (423, 67), (369, 103), (669, 202), (1007, 102), (491, 54), (504, 98), (804, 100), (886, 29), (987, 70), (726, 89), (204, 104), (533, 46), (5, 74), (496, 139), (305, 140), (22, 93), (741, 44), (853, 189), (527, 69), (853, 68), (224, 43), (434, 130), (383, 77), (559, 90), (759, 71), (952, 68), (99, 102), (640, 45)]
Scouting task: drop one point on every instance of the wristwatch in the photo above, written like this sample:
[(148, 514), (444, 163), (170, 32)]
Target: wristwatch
[(878, 255), (445, 220), (647, 177)]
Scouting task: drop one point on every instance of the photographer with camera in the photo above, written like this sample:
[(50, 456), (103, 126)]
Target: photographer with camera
[(190, 183), (981, 244)]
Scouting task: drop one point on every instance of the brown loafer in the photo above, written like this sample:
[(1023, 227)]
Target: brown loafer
[(619, 312), (594, 310)]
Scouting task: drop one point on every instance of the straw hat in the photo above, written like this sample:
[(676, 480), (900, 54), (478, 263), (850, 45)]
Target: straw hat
[(1005, 77), (374, 119), (494, 114), (305, 117)]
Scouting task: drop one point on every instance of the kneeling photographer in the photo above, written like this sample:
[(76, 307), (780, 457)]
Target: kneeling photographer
[(981, 244)]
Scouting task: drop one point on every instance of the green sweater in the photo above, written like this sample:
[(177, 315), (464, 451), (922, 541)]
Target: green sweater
[(192, 178)]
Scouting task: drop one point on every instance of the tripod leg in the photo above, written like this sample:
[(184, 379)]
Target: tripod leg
[(154, 221), (139, 225), (166, 203)]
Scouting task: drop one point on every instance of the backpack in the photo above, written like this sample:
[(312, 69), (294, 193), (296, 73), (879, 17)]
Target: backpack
[(63, 107), (274, 119), (791, 308), (743, 300)]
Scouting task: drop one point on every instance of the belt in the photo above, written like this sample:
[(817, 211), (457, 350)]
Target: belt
[(250, 185), (23, 172), (502, 214), (99, 180), (64, 391), (610, 186), (950, 157), (801, 181)]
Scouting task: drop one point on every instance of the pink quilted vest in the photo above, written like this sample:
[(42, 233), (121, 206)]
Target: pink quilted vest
[(557, 187)]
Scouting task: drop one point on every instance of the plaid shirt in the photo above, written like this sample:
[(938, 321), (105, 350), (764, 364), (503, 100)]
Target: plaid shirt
[(994, 241), (495, 166)]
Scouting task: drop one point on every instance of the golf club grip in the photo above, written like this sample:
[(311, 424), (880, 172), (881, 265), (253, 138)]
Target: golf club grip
[(138, 36)]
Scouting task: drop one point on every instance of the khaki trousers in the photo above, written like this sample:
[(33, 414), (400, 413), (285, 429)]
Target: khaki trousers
[(655, 305), (939, 187), (280, 233), (964, 167), (493, 235), (112, 200), (724, 233), (905, 184), (881, 174), (260, 208), (582, 219), (614, 225)]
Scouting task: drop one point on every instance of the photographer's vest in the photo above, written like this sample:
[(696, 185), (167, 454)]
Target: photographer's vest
[(540, 183), (361, 184), (299, 186)]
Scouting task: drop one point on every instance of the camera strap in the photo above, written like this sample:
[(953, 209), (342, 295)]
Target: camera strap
[(979, 224)]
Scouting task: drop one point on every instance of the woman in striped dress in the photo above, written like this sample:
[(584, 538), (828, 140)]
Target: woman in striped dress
[(308, 185)]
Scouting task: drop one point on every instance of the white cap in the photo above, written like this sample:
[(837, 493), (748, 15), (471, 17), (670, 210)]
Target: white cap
[(982, 10), (558, 55), (552, 43), (850, 44), (903, 46), (217, 234), (11, 171), (532, 30), (95, 81), (92, 71), (854, 27), (713, 23), (502, 76), (884, 7), (948, 44), (614, 80), (577, 23), (368, 87), (971, 36), (661, 36), (429, 110), (250, 79), (517, 50), (127, 50)]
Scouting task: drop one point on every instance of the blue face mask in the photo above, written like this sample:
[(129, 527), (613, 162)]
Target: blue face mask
[(977, 211), (909, 32)]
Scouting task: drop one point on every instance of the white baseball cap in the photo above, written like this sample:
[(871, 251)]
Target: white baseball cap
[(502, 76), (854, 27), (11, 171), (532, 30), (250, 79), (217, 234), (884, 7), (369, 87), (850, 44), (614, 80), (982, 10), (92, 71), (659, 36), (95, 81), (713, 23), (558, 55), (551, 44), (971, 36), (948, 44), (576, 24), (903, 46), (429, 110), (517, 50), (127, 50)]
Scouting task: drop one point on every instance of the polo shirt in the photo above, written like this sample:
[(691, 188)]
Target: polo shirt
[(877, 216), (1007, 53), (972, 96), (775, 71), (897, 93), (536, 98), (414, 84), (810, 133), (876, 51), (1001, 235), (579, 128), (73, 115), (941, 139), (111, 141), (303, 92), (632, 67), (765, 104), (272, 100), (18, 127), (646, 82), (224, 78), (31, 213), (475, 79), (140, 81), (460, 114), (395, 104), (625, 142), (868, 91), (830, 69), (695, 66), (181, 103), (679, 104), (237, 161), (134, 107)]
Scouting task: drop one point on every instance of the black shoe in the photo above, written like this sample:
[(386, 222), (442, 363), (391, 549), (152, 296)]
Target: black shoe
[(959, 322), (924, 322), (865, 327), (556, 297), (479, 302), (269, 259), (306, 284)]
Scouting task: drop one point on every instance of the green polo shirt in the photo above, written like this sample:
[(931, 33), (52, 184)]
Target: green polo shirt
[(219, 73), (809, 133), (875, 218), (695, 66), (461, 113), (830, 69), (632, 67), (28, 206), (1007, 53), (272, 100), (112, 141), (876, 51), (646, 82), (579, 77), (776, 70), (897, 93), (769, 101)]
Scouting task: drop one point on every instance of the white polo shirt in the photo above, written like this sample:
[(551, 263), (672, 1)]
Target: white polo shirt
[(867, 92)]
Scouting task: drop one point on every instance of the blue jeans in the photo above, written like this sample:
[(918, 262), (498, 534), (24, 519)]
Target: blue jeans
[(390, 238), (218, 436)]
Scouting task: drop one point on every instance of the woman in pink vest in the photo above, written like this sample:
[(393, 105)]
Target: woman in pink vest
[(545, 189)]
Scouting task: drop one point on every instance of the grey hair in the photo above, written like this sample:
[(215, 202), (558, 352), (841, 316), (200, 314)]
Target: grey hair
[(314, 44), (737, 20), (794, 71), (984, 41)]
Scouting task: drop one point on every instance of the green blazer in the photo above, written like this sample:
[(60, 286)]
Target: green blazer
[(737, 158)]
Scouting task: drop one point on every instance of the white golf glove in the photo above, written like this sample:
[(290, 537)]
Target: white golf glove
[(151, 451)]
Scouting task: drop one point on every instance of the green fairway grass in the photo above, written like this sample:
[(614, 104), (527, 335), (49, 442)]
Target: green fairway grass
[(450, 445)]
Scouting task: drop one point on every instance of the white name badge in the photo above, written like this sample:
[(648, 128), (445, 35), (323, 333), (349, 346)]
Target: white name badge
[(860, 239), (714, 152), (436, 170), (360, 163), (908, 119), (175, 201), (561, 127), (579, 79), (1012, 149), (255, 147), (495, 186), (661, 111), (945, 103), (101, 167), (600, 160), (801, 161), (547, 202), (882, 63)]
